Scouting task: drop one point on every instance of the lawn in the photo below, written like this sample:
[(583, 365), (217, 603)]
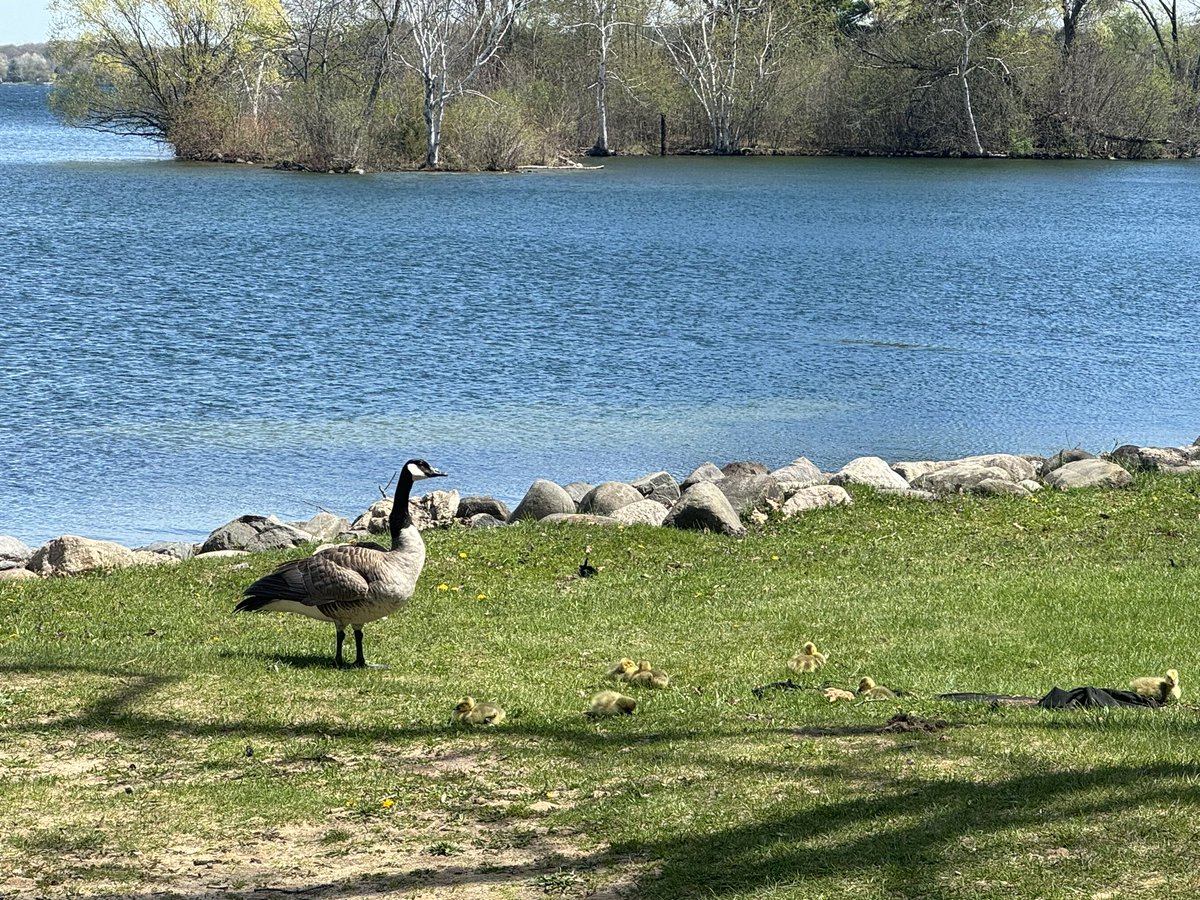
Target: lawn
[(153, 743)]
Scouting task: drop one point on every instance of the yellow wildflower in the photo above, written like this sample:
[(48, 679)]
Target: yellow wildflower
[(388, 803)]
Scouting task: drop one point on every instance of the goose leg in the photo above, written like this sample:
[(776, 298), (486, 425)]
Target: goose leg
[(360, 661), (338, 659)]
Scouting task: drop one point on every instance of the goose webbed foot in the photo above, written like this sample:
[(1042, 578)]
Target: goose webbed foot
[(360, 661)]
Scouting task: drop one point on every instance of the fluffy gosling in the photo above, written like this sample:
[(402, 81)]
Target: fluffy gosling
[(468, 712), (1164, 690), (869, 690), (807, 659), (622, 669), (610, 703), (646, 676), (833, 695)]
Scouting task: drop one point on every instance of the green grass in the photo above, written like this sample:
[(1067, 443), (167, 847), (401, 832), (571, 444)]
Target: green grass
[(153, 741)]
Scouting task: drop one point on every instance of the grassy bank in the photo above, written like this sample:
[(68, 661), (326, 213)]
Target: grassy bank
[(154, 742)]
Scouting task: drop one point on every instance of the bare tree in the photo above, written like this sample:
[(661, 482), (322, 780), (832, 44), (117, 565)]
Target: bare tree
[(602, 19), (451, 41), (729, 53)]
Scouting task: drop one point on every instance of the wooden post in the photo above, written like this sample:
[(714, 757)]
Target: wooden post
[(662, 134)]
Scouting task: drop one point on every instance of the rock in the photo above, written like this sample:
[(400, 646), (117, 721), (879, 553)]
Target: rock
[(871, 471), (744, 468), (237, 534), (705, 472), (577, 491), (964, 476), (746, 492), (644, 512), (220, 554), (1016, 468), (72, 555), (1088, 473), (815, 497), (543, 498), (485, 520), (576, 519), (17, 574), (150, 558), (469, 507), (1172, 460), (1032, 486), (174, 549), (437, 509), (659, 486), (704, 507), (324, 526), (279, 536), (801, 472), (605, 499), (13, 553), (1000, 486), (1062, 457), (375, 519)]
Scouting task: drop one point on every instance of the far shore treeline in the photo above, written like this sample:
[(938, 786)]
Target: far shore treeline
[(492, 84)]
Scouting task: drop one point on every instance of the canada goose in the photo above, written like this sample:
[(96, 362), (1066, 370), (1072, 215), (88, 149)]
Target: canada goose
[(1164, 690), (806, 659), (646, 676), (610, 703), (351, 584), (468, 712), (622, 669), (586, 570), (833, 695), (869, 690)]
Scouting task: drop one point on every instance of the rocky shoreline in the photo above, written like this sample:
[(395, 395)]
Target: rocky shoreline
[(711, 498)]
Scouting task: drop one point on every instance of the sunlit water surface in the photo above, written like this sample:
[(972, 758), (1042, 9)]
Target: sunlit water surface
[(185, 343)]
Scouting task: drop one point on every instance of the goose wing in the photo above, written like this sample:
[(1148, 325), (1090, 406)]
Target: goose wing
[(337, 575)]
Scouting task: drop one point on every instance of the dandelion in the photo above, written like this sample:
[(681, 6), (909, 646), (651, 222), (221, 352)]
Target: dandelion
[(462, 554), (443, 586), (481, 596), (775, 557), (551, 794), (388, 803)]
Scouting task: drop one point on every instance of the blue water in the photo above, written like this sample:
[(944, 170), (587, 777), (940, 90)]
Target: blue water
[(185, 343)]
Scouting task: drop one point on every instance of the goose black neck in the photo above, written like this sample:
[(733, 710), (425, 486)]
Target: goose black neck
[(400, 518)]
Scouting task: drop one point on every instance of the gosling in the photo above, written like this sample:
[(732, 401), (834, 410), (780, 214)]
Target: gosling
[(646, 676), (869, 690), (610, 703), (468, 712), (622, 669), (807, 659), (1164, 690)]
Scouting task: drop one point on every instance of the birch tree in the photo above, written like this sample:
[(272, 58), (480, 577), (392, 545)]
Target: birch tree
[(603, 19), (449, 43), (729, 53)]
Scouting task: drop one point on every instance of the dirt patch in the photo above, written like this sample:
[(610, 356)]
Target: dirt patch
[(906, 722)]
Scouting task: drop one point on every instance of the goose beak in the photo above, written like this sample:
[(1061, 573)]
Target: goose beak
[(436, 473)]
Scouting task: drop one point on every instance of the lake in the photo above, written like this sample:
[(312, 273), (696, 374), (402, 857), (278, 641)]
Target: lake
[(184, 343)]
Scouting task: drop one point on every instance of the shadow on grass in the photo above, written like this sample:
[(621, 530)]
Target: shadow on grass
[(909, 839)]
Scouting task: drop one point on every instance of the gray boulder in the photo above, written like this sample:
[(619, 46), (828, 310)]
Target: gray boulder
[(324, 526), (799, 471), (747, 492), (280, 536), (704, 507), (577, 490), (576, 519), (13, 553), (1088, 473), (1016, 468), (660, 487), (1062, 457), (1171, 460), (644, 512), (704, 472), (237, 534), (469, 507), (815, 496), (544, 498), (1000, 486), (375, 519), (963, 476), (437, 509), (175, 549), (870, 471), (741, 467), (485, 520), (72, 555), (605, 499), (17, 573)]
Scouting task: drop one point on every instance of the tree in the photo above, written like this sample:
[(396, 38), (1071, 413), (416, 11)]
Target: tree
[(450, 43), (28, 67), (159, 68), (730, 55)]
